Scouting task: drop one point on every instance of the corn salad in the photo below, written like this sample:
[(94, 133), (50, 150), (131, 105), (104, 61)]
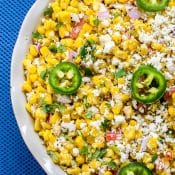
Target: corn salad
[(101, 127)]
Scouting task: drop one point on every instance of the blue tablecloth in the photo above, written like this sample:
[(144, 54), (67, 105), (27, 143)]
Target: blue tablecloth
[(15, 159)]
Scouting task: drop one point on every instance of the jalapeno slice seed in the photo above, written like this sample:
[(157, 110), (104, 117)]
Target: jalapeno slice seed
[(148, 84), (65, 78), (135, 168), (152, 5)]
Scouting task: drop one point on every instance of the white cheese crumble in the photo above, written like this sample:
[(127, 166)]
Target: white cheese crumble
[(69, 126), (119, 119), (75, 151), (107, 43)]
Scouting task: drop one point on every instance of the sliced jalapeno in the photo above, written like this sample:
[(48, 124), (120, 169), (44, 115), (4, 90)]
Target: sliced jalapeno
[(65, 78), (152, 5), (148, 84), (135, 168)]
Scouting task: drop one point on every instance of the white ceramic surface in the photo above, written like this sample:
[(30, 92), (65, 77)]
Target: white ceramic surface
[(32, 140)]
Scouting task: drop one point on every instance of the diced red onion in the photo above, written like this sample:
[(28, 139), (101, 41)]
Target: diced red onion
[(72, 54), (103, 15), (133, 12), (38, 47)]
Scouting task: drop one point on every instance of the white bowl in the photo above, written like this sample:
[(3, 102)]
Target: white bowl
[(25, 123)]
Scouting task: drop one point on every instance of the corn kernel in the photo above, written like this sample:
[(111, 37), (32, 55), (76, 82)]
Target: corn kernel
[(122, 1), (79, 142), (33, 51), (85, 168), (94, 164), (74, 3), (65, 159), (41, 29), (117, 108), (107, 173), (73, 171), (40, 114), (44, 51), (129, 133), (37, 125), (64, 16), (26, 87), (171, 111), (152, 143)]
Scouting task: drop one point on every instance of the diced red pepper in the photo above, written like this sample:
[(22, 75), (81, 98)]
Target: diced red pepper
[(169, 93), (76, 29), (169, 155), (110, 136)]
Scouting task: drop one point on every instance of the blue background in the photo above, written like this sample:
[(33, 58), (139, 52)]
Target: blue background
[(15, 159)]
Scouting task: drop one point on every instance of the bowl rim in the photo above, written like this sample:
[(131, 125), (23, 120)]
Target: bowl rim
[(18, 101)]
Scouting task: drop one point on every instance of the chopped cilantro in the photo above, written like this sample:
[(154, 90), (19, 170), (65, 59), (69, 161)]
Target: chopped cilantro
[(88, 114), (48, 11), (60, 49), (85, 150), (120, 73), (88, 72), (44, 74), (68, 138), (87, 48), (59, 24), (52, 155), (99, 154), (154, 157), (53, 48), (111, 165), (96, 22), (105, 125), (115, 15), (85, 103), (78, 132), (37, 35), (108, 105), (50, 108)]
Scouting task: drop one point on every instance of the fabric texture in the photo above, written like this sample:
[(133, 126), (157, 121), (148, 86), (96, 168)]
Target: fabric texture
[(15, 158)]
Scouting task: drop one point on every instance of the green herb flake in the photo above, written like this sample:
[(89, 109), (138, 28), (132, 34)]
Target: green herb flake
[(89, 114), (50, 108), (99, 154), (108, 105), (43, 74), (83, 51), (85, 103), (105, 125), (53, 48), (85, 150), (115, 15), (115, 149), (120, 73), (37, 35), (88, 72), (78, 132), (59, 24), (68, 138), (61, 48), (154, 157), (111, 165), (87, 48), (96, 22), (52, 155), (48, 12)]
